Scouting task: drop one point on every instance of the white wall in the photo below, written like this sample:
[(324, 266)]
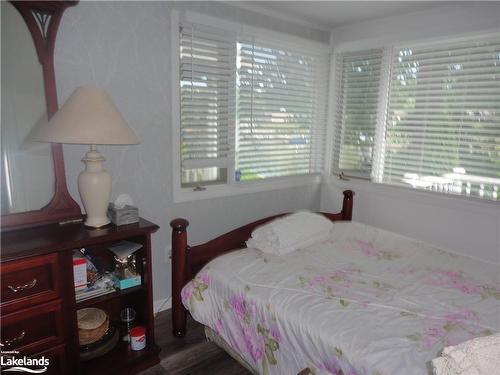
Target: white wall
[(462, 225), (124, 47)]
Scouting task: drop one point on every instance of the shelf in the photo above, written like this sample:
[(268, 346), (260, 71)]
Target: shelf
[(18, 248), (122, 360), (110, 296)]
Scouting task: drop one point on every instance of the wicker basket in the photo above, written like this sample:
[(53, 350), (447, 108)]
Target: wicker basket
[(92, 325), (102, 346)]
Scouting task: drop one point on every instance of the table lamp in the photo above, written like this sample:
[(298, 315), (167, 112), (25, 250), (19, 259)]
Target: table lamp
[(90, 117)]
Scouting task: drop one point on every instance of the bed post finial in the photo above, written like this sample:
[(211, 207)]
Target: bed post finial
[(179, 274), (347, 205)]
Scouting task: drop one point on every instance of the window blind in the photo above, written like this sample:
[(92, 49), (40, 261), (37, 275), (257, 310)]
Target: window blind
[(207, 60), (443, 118), (357, 99), (280, 109)]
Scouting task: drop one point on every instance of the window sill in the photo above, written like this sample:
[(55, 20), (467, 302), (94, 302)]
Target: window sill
[(237, 188), (412, 194)]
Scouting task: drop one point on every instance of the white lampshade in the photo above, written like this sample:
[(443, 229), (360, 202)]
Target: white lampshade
[(88, 116)]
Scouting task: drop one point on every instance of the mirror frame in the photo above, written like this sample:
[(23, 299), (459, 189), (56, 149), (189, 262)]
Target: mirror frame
[(42, 19)]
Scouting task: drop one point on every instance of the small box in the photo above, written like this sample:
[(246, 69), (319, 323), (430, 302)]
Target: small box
[(127, 283), (80, 273), (123, 216)]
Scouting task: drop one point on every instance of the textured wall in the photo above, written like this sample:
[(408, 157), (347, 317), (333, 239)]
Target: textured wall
[(124, 47)]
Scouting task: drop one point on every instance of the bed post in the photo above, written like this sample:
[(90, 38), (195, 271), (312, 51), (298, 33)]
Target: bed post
[(347, 205), (179, 272)]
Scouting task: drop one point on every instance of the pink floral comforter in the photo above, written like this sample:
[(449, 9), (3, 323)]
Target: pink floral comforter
[(363, 301)]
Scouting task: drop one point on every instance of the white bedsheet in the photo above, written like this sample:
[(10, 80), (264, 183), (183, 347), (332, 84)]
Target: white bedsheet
[(363, 301)]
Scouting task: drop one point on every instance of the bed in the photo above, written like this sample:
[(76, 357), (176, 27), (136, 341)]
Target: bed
[(359, 301)]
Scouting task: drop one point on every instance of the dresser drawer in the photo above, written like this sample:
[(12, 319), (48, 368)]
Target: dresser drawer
[(33, 329), (29, 281)]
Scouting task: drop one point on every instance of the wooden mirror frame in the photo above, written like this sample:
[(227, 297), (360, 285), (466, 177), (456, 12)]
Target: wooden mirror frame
[(42, 19)]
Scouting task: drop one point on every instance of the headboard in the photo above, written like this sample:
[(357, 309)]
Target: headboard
[(188, 260)]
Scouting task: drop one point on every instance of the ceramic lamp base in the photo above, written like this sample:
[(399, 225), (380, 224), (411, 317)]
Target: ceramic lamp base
[(94, 185)]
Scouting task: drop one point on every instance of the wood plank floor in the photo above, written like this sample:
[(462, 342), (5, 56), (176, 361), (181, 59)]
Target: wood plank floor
[(190, 355)]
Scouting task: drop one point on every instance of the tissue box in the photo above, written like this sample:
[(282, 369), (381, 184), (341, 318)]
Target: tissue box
[(123, 216), (126, 283)]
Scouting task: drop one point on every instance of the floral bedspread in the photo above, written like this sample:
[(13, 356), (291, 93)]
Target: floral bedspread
[(363, 301)]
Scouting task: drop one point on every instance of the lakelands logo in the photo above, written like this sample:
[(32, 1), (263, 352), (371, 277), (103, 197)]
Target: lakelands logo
[(23, 364)]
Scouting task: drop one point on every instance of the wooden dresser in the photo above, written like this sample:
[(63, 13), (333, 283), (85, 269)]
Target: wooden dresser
[(38, 308)]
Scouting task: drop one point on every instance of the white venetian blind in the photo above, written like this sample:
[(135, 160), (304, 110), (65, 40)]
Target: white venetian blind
[(207, 60), (281, 109), (443, 119), (357, 98)]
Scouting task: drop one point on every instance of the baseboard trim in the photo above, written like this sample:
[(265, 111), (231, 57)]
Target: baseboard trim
[(162, 304)]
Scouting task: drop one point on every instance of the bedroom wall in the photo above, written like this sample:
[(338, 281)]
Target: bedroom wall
[(124, 47), (467, 226)]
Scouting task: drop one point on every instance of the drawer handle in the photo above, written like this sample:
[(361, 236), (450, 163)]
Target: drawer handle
[(20, 288), (10, 342)]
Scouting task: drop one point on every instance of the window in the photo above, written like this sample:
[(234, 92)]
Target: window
[(441, 119), (356, 110), (281, 110), (205, 84), (250, 108)]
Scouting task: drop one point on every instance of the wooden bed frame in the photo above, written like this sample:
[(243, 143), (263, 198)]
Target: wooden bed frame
[(187, 260)]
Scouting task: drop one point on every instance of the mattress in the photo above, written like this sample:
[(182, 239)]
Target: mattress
[(362, 301)]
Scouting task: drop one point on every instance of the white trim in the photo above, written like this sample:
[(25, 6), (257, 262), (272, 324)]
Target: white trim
[(175, 109), (330, 117), (207, 163), (414, 194), (231, 113), (244, 30), (248, 187), (360, 45), (397, 41), (334, 102), (443, 40), (383, 97), (254, 7), (162, 305)]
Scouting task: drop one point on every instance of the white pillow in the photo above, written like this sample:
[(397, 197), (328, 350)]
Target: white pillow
[(289, 233)]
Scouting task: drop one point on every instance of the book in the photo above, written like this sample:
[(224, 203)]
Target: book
[(91, 292)]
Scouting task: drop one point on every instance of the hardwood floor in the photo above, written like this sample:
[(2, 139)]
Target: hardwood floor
[(190, 355)]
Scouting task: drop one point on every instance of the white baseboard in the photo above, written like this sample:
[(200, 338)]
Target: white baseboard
[(162, 304)]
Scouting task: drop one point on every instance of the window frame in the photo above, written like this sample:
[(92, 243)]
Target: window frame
[(383, 90), (389, 44), (231, 187)]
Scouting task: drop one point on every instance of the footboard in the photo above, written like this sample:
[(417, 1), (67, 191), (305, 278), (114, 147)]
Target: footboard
[(187, 261)]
